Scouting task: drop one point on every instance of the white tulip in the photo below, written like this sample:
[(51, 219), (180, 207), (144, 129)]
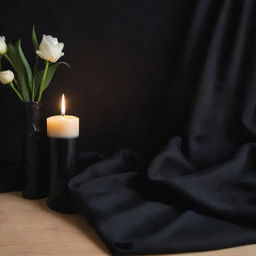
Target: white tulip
[(6, 77), (50, 49), (3, 46)]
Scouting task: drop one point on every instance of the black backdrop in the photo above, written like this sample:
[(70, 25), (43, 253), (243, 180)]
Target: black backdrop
[(144, 73), (121, 54)]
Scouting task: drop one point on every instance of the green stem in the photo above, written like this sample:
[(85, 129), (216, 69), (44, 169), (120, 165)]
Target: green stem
[(12, 64), (33, 90), (17, 86), (42, 81), (10, 61), (15, 90), (33, 80)]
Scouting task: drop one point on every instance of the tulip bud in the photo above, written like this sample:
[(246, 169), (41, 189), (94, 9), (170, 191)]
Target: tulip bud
[(50, 49), (3, 46), (6, 77)]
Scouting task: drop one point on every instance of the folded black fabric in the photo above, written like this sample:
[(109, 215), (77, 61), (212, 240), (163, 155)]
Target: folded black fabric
[(199, 193), (170, 207)]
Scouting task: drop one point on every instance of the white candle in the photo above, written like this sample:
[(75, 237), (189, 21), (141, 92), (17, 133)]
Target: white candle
[(63, 126)]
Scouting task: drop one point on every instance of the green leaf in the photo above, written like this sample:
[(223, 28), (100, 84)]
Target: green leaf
[(36, 46), (14, 58), (51, 70), (11, 52), (34, 39), (12, 55), (26, 65)]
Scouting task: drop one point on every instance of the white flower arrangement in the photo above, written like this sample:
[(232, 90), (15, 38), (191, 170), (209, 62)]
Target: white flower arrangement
[(27, 84)]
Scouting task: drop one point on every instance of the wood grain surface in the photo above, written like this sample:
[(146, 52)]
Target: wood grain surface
[(29, 228)]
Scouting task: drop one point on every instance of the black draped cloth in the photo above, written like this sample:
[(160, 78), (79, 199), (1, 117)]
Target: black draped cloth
[(166, 93)]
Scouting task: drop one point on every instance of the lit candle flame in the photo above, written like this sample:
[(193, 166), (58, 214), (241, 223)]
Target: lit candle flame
[(63, 105)]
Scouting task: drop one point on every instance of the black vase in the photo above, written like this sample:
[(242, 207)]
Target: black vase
[(35, 178)]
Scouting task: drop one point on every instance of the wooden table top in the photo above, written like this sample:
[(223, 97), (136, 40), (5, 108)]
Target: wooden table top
[(29, 228)]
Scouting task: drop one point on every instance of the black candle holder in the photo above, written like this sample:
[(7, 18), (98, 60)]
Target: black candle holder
[(63, 166)]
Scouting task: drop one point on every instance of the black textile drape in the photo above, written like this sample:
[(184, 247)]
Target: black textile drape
[(174, 81)]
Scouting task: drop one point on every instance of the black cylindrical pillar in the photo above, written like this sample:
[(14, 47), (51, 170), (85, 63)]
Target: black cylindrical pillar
[(63, 166)]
